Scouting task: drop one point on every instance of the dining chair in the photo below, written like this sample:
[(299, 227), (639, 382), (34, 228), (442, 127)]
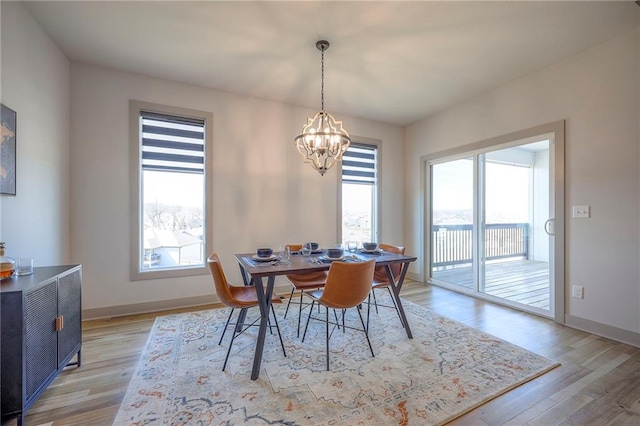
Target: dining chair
[(242, 297), (303, 282), (381, 280), (347, 286)]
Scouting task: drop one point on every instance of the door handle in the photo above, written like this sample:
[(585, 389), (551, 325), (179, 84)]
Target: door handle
[(59, 323), (548, 227)]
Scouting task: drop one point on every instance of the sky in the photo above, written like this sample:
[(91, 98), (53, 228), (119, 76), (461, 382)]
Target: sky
[(184, 189), (507, 194)]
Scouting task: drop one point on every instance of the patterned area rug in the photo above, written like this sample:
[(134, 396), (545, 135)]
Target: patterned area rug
[(446, 370)]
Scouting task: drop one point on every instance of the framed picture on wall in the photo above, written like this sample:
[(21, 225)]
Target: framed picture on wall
[(8, 151)]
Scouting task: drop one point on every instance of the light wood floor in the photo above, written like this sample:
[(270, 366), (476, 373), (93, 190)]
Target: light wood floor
[(598, 382)]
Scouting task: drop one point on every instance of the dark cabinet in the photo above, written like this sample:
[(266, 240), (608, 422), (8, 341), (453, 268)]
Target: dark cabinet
[(41, 320)]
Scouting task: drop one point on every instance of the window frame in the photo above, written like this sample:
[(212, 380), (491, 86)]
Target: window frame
[(135, 109), (376, 208)]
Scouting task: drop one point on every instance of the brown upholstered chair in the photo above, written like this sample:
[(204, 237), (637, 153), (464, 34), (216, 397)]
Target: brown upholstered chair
[(347, 286), (303, 282), (381, 280), (242, 297)]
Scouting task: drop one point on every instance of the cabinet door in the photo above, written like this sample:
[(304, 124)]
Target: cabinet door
[(69, 338), (11, 350), (41, 339)]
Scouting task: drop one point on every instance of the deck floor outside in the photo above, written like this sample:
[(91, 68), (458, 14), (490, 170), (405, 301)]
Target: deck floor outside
[(521, 281)]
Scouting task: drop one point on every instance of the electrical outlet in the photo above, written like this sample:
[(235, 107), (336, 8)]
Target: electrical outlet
[(577, 292)]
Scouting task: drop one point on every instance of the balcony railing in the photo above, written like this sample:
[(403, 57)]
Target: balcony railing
[(452, 244)]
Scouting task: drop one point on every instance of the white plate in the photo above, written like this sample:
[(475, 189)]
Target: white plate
[(376, 251), (311, 252), (264, 259), (331, 258)]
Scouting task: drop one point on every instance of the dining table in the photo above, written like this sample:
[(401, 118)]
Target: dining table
[(255, 270)]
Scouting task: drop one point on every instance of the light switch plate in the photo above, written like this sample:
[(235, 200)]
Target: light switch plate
[(581, 212)]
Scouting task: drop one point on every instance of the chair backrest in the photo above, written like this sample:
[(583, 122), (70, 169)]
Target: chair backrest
[(380, 274), (294, 247), (348, 284), (220, 281)]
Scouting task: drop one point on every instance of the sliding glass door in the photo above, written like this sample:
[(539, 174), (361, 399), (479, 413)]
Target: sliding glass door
[(514, 260), (491, 217)]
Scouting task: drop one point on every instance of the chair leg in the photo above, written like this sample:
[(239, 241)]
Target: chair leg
[(368, 307), (366, 333), (273, 311), (326, 317), (226, 326), (375, 301), (289, 302), (299, 314), (308, 318), (235, 333)]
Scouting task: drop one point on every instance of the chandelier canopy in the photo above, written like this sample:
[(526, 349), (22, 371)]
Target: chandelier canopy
[(323, 140)]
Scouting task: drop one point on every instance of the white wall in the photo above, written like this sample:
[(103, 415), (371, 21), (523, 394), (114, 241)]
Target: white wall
[(35, 84), (597, 93), (263, 194)]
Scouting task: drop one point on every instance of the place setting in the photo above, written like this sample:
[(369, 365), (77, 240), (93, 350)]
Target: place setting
[(309, 248), (264, 257), (371, 248), (338, 254), (332, 255)]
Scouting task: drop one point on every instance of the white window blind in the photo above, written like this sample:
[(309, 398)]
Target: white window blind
[(173, 144), (359, 164)]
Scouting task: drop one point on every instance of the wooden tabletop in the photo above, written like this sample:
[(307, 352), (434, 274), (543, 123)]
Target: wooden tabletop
[(299, 263)]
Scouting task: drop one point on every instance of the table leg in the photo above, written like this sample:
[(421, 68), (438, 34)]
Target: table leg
[(396, 287), (264, 300)]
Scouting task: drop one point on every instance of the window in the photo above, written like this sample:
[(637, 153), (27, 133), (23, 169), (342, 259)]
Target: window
[(359, 193), (171, 168)]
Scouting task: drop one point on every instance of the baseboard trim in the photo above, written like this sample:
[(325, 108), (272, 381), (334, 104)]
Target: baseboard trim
[(604, 330), (159, 305), (413, 276)]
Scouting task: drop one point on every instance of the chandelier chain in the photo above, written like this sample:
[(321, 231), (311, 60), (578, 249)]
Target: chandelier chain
[(322, 83)]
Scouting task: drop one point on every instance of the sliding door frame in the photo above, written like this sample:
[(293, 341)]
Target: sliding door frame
[(556, 133)]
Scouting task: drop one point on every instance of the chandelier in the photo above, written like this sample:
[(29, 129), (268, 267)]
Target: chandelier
[(323, 140)]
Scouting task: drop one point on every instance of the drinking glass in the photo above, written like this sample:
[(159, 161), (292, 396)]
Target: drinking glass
[(352, 246), (24, 266), (286, 255), (306, 250)]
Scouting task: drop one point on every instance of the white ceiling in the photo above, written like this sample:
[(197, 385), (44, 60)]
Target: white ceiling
[(395, 62)]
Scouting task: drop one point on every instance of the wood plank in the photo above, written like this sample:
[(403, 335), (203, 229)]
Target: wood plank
[(561, 410), (520, 281)]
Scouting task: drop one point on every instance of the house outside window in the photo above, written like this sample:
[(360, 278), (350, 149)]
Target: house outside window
[(359, 193), (171, 150)]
